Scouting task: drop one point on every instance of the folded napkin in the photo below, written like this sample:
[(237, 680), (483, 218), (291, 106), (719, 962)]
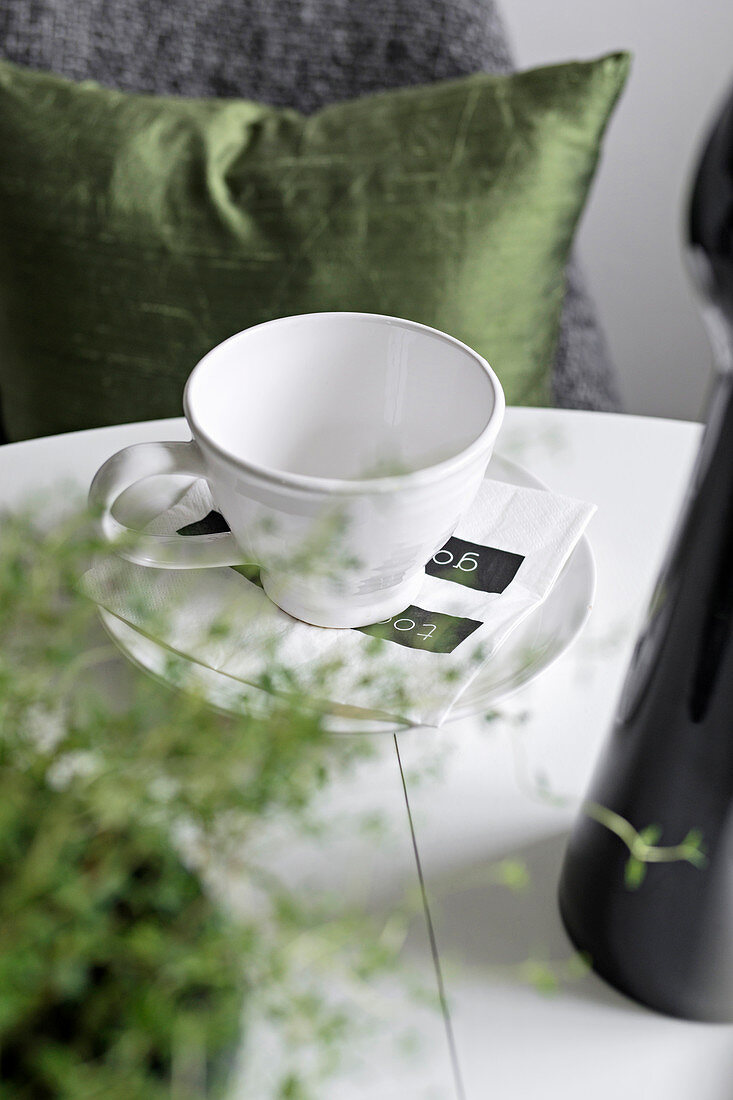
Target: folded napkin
[(501, 563)]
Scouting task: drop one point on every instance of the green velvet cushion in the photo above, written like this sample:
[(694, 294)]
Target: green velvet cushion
[(136, 231)]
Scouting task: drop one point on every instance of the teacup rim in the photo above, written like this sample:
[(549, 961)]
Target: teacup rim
[(424, 475)]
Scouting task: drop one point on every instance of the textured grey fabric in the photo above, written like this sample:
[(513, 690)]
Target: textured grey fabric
[(582, 376), (299, 53)]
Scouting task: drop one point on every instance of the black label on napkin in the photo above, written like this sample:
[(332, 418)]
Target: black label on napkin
[(420, 629), (213, 524), (476, 566)]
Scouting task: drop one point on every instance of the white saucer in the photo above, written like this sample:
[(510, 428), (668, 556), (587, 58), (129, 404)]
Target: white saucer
[(531, 648)]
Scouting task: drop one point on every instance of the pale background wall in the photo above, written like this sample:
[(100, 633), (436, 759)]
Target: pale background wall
[(630, 237)]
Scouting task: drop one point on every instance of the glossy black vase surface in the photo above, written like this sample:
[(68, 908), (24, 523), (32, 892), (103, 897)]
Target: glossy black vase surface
[(667, 939)]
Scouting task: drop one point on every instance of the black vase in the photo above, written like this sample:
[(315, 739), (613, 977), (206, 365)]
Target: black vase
[(662, 932)]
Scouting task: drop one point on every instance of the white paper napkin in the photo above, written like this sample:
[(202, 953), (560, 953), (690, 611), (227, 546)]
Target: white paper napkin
[(501, 563)]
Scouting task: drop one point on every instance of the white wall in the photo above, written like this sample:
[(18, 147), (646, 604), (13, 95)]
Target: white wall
[(630, 240)]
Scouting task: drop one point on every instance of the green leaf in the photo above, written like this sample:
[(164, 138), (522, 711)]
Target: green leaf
[(650, 835), (540, 975), (513, 873), (634, 873), (694, 840)]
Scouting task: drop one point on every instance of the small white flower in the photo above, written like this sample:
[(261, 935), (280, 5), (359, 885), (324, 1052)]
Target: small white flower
[(70, 766), (45, 727), (163, 788)]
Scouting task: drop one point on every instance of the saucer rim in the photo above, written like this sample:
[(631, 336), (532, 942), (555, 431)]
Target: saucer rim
[(470, 703)]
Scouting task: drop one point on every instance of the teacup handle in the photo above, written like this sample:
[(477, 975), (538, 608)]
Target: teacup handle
[(133, 464)]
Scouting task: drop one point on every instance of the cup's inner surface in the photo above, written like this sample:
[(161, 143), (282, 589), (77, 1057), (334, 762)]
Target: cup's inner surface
[(342, 396)]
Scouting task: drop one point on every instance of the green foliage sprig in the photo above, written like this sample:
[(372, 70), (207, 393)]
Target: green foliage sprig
[(643, 847)]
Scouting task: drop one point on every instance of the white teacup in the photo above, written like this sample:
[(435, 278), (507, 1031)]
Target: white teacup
[(341, 448)]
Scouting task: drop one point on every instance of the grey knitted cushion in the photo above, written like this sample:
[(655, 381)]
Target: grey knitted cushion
[(299, 53)]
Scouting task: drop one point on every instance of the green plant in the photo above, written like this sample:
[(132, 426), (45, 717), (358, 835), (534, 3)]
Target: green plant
[(121, 974), (118, 976), (643, 847)]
